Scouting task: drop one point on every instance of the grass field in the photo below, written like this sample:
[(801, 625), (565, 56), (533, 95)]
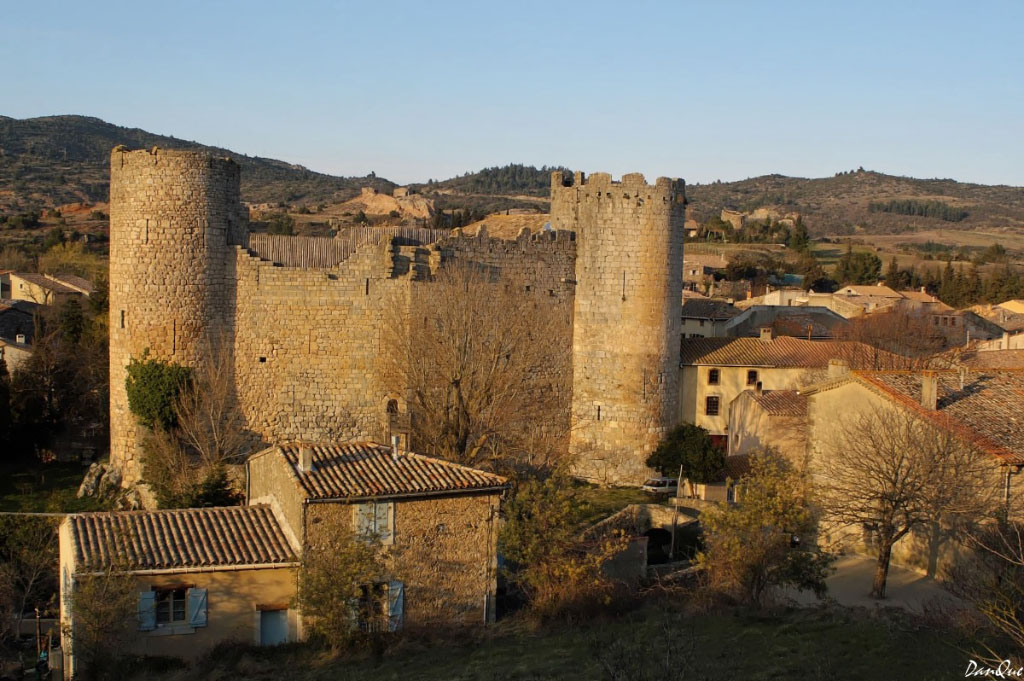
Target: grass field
[(651, 643), (43, 488)]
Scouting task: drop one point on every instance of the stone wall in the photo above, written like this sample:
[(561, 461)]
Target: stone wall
[(306, 340), (444, 552), (627, 317), (172, 215)]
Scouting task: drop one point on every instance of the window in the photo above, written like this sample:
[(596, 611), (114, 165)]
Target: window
[(711, 404), (177, 608), (170, 605), (375, 519), (713, 376), (381, 607), (751, 377), (702, 322)]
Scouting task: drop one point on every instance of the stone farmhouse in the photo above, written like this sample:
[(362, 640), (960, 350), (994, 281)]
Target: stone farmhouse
[(979, 407), (208, 575), (46, 289), (302, 318), (717, 370)]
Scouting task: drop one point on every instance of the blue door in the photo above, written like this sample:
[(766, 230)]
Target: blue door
[(273, 627)]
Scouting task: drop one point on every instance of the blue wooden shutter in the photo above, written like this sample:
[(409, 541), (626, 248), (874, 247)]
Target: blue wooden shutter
[(195, 607), (147, 611), (396, 605), (381, 526)]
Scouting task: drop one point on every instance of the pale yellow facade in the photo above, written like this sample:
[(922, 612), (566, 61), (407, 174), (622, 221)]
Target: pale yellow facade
[(752, 429), (697, 386), (237, 597)]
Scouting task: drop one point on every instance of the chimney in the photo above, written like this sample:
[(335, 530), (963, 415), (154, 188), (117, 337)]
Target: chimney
[(20, 338), (305, 459), (838, 367), (767, 334), (929, 390), (394, 447)]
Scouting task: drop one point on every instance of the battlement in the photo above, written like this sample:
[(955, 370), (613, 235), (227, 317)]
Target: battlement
[(126, 158), (635, 182)]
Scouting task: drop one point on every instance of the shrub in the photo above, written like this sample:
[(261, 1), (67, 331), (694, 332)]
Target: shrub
[(750, 547), (153, 386), (689, 447)]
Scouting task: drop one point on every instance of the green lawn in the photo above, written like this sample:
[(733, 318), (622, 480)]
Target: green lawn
[(651, 643), (42, 488), (601, 502)]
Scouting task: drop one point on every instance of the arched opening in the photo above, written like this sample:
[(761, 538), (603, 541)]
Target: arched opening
[(659, 543)]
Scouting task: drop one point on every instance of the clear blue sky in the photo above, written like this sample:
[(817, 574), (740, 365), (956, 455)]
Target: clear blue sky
[(418, 90)]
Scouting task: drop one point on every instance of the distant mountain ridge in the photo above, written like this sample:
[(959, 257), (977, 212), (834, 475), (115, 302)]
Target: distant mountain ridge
[(54, 160), (62, 159)]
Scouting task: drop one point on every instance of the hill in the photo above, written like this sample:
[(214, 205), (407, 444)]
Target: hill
[(55, 160), (866, 201)]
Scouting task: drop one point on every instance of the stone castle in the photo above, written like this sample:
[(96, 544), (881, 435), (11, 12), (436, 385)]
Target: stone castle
[(302, 317)]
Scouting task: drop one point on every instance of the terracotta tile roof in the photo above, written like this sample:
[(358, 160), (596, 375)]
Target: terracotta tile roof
[(737, 466), (185, 538), (45, 282), (74, 281), (985, 411), (993, 359), (787, 320), (783, 351), (869, 291), (708, 308), (367, 469), (781, 402)]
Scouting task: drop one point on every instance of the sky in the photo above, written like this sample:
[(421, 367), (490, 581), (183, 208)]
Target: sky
[(417, 90)]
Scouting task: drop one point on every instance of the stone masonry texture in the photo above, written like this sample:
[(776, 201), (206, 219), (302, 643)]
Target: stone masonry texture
[(627, 321), (305, 342)]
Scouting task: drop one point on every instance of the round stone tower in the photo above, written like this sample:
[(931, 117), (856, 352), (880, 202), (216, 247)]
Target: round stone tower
[(172, 215), (627, 317)]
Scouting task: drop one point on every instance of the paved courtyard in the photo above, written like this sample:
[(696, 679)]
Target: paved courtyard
[(851, 582)]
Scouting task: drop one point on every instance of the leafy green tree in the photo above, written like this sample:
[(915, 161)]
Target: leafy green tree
[(71, 320), (799, 239), (858, 267), (548, 559), (153, 386), (280, 223), (336, 568), (689, 446), (750, 552)]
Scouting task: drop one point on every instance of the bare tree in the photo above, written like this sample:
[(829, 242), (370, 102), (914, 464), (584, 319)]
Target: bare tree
[(480, 357), (992, 579), (28, 575), (896, 339), (103, 607), (209, 420), (888, 471)]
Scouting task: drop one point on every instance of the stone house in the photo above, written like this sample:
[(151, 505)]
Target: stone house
[(17, 326), (210, 575), (812, 322), (203, 576), (46, 289), (769, 419), (705, 317), (716, 370), (980, 407), (437, 520)]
